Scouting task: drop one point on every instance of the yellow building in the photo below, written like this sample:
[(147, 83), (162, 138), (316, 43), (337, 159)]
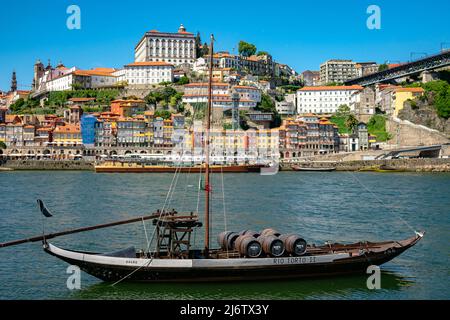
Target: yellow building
[(70, 134), (401, 95)]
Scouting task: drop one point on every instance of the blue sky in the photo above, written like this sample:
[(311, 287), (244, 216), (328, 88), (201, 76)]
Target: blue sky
[(301, 33)]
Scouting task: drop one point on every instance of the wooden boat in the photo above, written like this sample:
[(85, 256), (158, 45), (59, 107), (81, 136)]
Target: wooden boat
[(313, 169), (246, 255), (381, 169), (130, 167)]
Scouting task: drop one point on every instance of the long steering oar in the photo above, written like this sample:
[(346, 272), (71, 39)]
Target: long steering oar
[(45, 212)]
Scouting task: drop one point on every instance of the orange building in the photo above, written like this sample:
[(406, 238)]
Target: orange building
[(127, 108)]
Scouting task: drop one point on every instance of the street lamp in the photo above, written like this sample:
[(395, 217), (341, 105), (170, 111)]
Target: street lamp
[(413, 53), (443, 46)]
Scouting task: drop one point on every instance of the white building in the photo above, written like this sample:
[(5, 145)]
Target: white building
[(285, 108), (85, 79), (326, 100), (174, 48), (221, 92), (145, 73)]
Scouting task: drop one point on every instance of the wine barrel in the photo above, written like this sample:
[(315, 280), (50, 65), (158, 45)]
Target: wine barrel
[(272, 245), (270, 232), (252, 233), (226, 239), (248, 246), (294, 244)]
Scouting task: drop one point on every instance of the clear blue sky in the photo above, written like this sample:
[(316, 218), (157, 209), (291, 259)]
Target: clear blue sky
[(301, 33)]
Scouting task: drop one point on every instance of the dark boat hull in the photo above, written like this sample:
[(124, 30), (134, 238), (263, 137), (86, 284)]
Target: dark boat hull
[(169, 169), (270, 268)]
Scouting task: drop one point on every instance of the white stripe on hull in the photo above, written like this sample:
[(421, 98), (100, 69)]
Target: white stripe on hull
[(195, 263)]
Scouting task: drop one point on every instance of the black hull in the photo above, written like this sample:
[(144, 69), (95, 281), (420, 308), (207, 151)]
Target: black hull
[(347, 266)]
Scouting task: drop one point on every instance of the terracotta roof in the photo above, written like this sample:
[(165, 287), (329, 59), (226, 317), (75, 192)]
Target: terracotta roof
[(205, 84), (150, 64), (95, 72), (68, 128), (331, 88), (246, 87), (416, 90), (127, 101)]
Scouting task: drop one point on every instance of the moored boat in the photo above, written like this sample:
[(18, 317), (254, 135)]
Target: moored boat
[(313, 169), (133, 167)]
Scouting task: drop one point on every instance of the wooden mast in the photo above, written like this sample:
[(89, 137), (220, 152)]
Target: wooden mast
[(208, 126)]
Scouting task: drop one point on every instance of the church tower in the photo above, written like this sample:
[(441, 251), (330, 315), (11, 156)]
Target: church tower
[(38, 73), (14, 82)]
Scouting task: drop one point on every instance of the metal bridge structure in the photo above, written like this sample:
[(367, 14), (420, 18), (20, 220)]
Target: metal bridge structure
[(430, 63)]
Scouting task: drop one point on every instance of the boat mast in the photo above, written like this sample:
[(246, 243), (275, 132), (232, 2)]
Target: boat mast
[(208, 126)]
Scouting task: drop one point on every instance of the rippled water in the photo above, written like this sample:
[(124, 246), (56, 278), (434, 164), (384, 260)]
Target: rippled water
[(335, 206)]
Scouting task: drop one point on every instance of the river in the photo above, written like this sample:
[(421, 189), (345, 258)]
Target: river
[(336, 206)]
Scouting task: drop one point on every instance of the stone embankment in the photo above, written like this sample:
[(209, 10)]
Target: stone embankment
[(410, 165), (47, 165)]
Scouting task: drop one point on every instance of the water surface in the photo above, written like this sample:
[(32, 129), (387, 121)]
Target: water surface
[(342, 207)]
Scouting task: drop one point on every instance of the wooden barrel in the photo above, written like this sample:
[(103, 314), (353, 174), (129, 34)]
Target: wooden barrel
[(248, 246), (270, 232), (272, 245), (294, 244), (226, 239), (252, 233)]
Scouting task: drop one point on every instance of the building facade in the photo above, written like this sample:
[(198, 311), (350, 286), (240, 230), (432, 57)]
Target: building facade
[(326, 99), (174, 48), (143, 74), (337, 71)]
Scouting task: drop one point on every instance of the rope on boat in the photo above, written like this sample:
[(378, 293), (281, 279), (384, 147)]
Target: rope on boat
[(380, 201), (224, 208)]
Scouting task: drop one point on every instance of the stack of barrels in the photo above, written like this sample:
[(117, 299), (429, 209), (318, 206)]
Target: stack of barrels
[(269, 241)]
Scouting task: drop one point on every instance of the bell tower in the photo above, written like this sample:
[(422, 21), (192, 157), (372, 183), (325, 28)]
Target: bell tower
[(38, 73), (14, 82)]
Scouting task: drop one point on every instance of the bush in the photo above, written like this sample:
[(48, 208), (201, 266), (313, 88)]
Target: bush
[(377, 126)]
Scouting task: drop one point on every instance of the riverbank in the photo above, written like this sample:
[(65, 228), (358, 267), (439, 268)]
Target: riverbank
[(43, 165), (409, 165)]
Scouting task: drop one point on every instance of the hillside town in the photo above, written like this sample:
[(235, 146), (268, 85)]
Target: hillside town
[(154, 105)]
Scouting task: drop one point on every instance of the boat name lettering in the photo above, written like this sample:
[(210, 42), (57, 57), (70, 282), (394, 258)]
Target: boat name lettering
[(131, 262), (294, 260)]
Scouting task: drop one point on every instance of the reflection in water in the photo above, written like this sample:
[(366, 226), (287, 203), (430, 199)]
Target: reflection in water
[(323, 288)]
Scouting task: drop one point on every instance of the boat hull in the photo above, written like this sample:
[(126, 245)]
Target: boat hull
[(313, 169), (168, 169), (112, 269)]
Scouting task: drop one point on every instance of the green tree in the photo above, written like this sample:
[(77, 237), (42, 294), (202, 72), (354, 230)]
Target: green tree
[(163, 114), (351, 122), (183, 80), (205, 50), (343, 111), (198, 45), (262, 53), (246, 49), (2, 145), (383, 67)]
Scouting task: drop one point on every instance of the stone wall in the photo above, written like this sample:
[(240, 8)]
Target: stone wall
[(411, 165), (405, 133), (47, 165)]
